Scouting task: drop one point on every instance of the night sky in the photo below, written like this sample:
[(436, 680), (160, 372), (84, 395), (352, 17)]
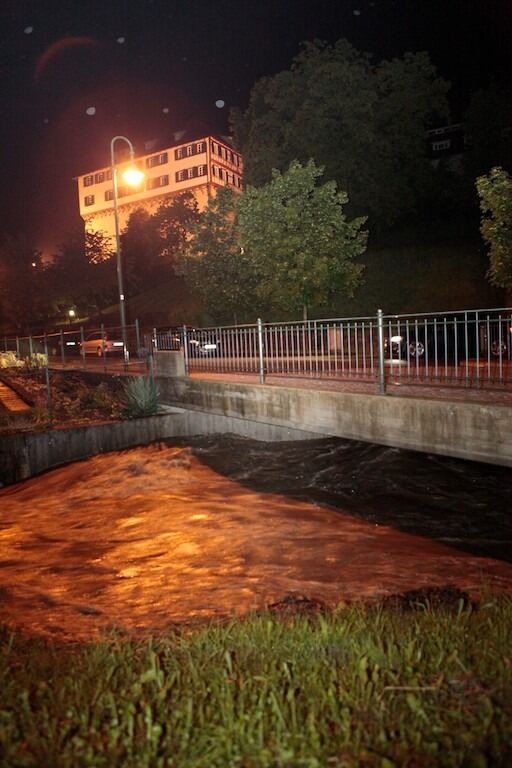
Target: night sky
[(74, 74)]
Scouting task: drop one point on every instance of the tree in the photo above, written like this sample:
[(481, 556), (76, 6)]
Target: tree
[(296, 236), (23, 298), (364, 124), (152, 242), (83, 273), (213, 264), (495, 193)]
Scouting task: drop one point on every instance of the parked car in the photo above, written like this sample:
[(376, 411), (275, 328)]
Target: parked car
[(68, 343), (451, 339), (199, 343), (202, 345), (96, 344)]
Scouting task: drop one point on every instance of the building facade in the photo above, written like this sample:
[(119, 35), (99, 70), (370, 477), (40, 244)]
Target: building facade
[(200, 166)]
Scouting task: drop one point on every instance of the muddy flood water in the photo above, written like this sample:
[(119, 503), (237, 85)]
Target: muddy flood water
[(219, 526)]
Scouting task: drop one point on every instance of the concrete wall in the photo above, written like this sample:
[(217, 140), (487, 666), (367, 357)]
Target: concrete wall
[(466, 430), (26, 454)]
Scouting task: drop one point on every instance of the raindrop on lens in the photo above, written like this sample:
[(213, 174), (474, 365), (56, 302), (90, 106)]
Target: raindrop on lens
[(90, 111), (28, 30), (220, 103)]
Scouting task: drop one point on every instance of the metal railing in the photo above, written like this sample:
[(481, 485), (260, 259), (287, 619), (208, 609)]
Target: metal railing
[(100, 349), (470, 348)]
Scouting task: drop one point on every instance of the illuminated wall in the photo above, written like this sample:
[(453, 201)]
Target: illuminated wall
[(199, 166)]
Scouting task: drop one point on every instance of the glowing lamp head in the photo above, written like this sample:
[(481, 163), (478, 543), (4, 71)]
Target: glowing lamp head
[(133, 176)]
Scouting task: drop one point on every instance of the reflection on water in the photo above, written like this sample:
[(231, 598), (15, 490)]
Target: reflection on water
[(156, 535)]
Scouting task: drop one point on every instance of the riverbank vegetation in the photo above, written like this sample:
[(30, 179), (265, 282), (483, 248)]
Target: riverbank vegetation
[(402, 683), (72, 398)]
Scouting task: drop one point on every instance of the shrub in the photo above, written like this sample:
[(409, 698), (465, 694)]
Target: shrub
[(36, 361), (9, 360), (140, 397)]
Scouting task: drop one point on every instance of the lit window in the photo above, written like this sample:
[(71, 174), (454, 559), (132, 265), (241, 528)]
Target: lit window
[(178, 153), (190, 173), (190, 150), (200, 147), (99, 177), (201, 170), (88, 180), (89, 200), (154, 160), (181, 175), (158, 181)]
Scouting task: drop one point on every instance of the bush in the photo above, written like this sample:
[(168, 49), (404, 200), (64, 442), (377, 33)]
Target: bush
[(9, 360), (36, 361), (140, 397)]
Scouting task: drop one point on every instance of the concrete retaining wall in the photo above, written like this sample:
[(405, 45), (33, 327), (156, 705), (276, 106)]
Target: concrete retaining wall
[(466, 430), (26, 454)]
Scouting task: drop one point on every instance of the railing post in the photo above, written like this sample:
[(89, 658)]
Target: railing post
[(104, 348), (260, 352), (47, 380), (62, 353), (82, 345), (185, 350), (152, 359), (380, 339), (137, 336), (18, 355)]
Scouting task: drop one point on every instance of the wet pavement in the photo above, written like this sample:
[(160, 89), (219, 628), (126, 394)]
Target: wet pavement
[(142, 539)]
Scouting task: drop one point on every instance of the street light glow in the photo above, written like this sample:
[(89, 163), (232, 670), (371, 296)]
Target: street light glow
[(133, 176)]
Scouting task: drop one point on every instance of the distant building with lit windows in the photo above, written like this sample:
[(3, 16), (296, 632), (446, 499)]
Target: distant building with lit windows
[(200, 166)]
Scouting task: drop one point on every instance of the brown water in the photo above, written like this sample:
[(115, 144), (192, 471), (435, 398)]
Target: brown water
[(162, 534)]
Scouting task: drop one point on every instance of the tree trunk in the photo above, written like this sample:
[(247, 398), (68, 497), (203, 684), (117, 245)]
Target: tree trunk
[(304, 312)]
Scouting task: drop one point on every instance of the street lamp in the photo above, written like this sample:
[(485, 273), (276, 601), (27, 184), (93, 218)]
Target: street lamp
[(132, 176)]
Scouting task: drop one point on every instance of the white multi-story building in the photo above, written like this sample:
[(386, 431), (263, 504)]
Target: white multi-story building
[(200, 166)]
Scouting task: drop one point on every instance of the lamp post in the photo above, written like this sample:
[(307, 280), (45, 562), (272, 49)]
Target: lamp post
[(132, 176)]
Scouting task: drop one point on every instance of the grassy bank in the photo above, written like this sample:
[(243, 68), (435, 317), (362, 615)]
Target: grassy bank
[(377, 686)]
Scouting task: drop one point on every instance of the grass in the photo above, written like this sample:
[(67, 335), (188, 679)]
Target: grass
[(363, 686)]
